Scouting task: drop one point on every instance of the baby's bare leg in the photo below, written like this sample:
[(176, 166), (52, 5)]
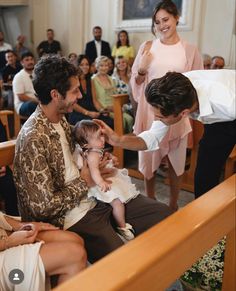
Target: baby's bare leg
[(118, 212)]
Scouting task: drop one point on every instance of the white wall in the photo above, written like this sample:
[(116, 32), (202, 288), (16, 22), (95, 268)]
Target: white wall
[(217, 35), (16, 20)]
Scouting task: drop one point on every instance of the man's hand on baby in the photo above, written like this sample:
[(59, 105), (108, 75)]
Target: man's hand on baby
[(105, 186)]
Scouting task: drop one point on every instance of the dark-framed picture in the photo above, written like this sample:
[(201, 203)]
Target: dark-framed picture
[(141, 9), (135, 15)]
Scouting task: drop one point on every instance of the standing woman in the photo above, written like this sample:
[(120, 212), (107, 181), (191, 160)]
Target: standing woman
[(105, 87), (88, 107), (155, 58), (123, 48)]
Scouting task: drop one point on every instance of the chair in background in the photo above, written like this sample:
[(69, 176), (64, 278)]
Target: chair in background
[(7, 152), (188, 176), (18, 121), (4, 114)]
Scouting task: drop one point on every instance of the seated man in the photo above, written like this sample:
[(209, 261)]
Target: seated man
[(217, 63), (209, 97), (49, 46), (8, 73), (22, 247), (49, 185), (25, 101)]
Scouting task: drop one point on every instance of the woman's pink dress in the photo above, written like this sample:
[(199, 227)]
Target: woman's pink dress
[(180, 57)]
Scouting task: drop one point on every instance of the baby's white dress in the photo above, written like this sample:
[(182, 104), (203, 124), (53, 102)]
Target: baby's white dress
[(121, 187)]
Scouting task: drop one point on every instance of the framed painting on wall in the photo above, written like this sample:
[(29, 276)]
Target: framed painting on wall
[(135, 15)]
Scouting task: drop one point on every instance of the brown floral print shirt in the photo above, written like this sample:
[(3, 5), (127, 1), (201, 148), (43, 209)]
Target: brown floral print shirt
[(39, 172)]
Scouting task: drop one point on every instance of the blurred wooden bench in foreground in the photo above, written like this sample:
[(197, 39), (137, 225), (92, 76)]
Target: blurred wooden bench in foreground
[(158, 257)]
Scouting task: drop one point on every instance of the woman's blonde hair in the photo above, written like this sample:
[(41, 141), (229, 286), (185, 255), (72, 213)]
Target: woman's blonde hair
[(116, 70), (100, 60)]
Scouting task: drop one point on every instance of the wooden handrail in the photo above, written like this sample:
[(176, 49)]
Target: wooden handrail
[(158, 257), (7, 152)]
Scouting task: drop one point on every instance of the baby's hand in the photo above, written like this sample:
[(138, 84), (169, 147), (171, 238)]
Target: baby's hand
[(104, 186)]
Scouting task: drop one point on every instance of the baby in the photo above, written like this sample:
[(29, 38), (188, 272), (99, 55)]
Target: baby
[(90, 138)]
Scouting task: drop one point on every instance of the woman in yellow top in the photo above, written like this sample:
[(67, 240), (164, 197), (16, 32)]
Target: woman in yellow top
[(123, 48)]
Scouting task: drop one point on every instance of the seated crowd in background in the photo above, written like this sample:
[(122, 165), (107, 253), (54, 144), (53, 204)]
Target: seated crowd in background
[(105, 87), (88, 106)]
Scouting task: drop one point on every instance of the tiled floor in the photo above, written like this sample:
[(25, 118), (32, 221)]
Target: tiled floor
[(163, 191)]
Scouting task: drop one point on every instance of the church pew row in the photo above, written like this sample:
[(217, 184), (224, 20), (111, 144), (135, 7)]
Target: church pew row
[(7, 152), (158, 257)]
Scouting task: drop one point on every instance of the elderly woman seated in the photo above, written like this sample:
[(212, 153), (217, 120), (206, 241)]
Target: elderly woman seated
[(37, 248)]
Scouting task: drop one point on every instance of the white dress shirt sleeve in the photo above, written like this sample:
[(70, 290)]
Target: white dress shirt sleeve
[(154, 135)]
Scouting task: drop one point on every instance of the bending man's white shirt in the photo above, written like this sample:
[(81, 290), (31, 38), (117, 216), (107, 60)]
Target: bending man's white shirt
[(216, 97)]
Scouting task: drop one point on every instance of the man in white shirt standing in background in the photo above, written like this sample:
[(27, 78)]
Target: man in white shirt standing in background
[(204, 95), (25, 101)]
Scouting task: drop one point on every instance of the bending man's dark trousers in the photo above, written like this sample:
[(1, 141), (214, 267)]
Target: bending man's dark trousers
[(214, 148)]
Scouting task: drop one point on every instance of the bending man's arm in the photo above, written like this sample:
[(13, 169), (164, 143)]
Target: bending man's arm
[(147, 140)]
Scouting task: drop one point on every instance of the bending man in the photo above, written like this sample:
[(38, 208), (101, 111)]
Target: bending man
[(207, 96)]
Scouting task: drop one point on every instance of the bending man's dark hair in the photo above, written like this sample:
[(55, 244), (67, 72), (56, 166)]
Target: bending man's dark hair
[(171, 93), (52, 73)]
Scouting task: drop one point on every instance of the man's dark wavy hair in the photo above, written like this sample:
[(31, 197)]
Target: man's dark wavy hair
[(52, 73), (171, 93)]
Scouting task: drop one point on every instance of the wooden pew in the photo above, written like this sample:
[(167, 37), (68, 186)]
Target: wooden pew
[(230, 164), (4, 118), (18, 121), (158, 257), (187, 182), (7, 152), (119, 101)]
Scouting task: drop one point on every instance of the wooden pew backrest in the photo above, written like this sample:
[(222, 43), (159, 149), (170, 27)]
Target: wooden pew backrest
[(159, 256), (119, 101), (7, 152)]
